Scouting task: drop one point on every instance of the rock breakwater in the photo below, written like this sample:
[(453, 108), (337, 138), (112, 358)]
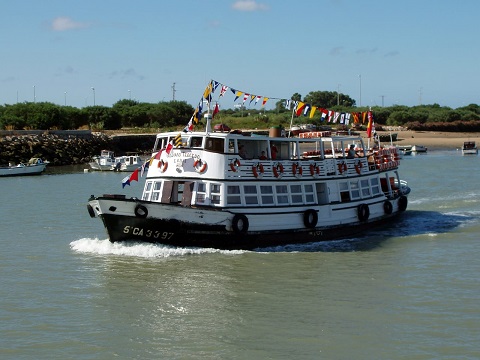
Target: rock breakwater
[(69, 149)]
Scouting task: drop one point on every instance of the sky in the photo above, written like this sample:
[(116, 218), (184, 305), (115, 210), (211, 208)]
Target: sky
[(378, 52)]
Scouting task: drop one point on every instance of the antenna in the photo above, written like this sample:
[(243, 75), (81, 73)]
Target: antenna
[(173, 91)]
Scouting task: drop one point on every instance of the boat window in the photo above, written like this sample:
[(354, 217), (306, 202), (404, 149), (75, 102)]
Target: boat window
[(354, 190), (322, 193), (196, 142), (201, 194), (147, 191), (266, 194), (297, 194), (214, 144), (156, 190), (215, 194), (365, 188), (282, 194), (309, 194), (233, 194), (375, 186), (250, 192), (231, 146), (344, 192)]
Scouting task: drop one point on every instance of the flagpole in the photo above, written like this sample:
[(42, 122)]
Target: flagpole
[(291, 122)]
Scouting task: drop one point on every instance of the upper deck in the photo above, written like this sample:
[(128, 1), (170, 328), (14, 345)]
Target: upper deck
[(234, 156)]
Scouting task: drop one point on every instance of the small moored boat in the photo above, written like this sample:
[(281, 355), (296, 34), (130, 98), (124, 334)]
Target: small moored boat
[(104, 162), (127, 163), (469, 148), (35, 166)]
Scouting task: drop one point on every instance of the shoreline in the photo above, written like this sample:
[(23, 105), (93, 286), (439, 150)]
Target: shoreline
[(433, 140)]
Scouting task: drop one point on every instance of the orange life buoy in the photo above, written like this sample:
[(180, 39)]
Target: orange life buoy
[(278, 170), (235, 164), (162, 165), (258, 170), (200, 165), (342, 167), (297, 169), (358, 167)]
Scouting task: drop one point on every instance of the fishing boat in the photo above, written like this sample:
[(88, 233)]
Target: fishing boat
[(127, 163), (201, 192), (469, 148), (35, 166), (104, 162)]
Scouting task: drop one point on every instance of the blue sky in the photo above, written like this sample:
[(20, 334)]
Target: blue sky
[(376, 51)]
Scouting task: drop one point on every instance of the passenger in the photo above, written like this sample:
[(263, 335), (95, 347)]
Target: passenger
[(242, 152), (263, 156), (351, 152), (274, 151)]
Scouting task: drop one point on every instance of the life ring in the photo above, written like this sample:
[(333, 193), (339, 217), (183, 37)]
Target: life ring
[(310, 218), (258, 170), (297, 170), (200, 165), (402, 203), (342, 167), (90, 210), (162, 165), (240, 224), (235, 164), (141, 211), (278, 170), (358, 167), (363, 212), (387, 207)]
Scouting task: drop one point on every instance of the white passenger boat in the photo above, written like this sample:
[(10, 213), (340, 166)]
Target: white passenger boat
[(419, 149), (35, 166), (202, 193), (104, 162), (469, 148)]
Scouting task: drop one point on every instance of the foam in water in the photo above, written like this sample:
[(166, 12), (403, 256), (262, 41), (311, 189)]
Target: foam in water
[(144, 250)]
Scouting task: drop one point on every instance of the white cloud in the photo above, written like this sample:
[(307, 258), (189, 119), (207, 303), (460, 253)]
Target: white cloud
[(64, 23), (248, 5)]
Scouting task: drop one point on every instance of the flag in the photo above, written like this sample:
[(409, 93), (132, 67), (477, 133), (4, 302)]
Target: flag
[(169, 147), (157, 156), (208, 91), (144, 167), (314, 108), (223, 90), (257, 98), (265, 99), (216, 110), (306, 109), (288, 104), (370, 124), (252, 97), (237, 95), (125, 181), (128, 179), (299, 108), (245, 97)]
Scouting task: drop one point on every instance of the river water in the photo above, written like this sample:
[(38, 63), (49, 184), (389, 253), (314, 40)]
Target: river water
[(409, 291)]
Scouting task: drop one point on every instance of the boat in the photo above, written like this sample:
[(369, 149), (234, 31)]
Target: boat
[(207, 195), (127, 163), (35, 166), (104, 162), (469, 147), (419, 149)]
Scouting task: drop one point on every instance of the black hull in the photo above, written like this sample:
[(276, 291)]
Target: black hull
[(175, 233)]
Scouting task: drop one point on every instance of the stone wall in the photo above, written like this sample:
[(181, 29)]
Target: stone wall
[(68, 149)]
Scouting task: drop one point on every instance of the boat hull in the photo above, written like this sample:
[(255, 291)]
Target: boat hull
[(219, 234), (28, 170)]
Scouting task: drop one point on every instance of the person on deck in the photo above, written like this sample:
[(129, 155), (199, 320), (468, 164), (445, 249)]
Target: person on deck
[(351, 152), (273, 151)]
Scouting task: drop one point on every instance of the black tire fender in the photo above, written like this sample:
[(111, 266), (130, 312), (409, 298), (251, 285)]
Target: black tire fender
[(310, 218), (240, 224), (141, 211), (402, 203), (363, 212), (387, 207), (91, 211)]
